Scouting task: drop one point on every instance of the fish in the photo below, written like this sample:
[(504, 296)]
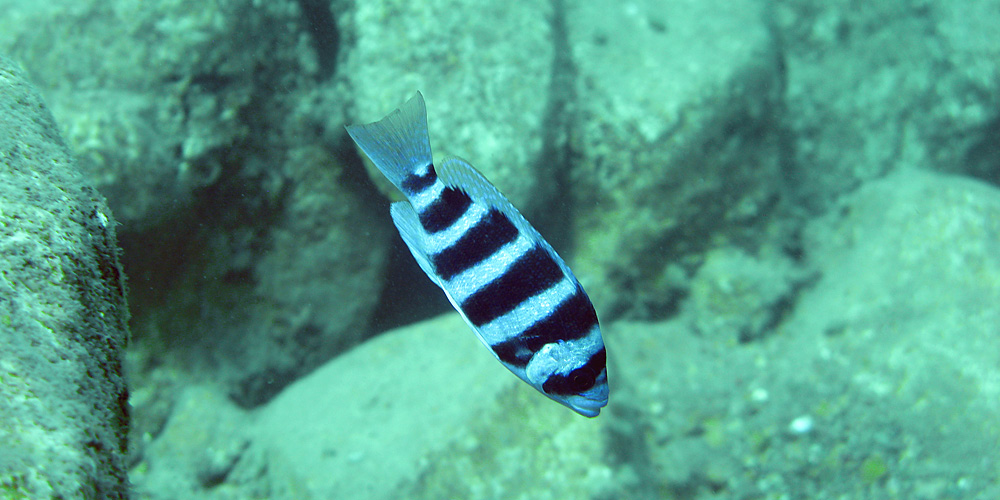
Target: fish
[(508, 284)]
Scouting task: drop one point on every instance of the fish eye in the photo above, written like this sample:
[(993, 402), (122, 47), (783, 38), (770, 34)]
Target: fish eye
[(581, 379), (575, 382)]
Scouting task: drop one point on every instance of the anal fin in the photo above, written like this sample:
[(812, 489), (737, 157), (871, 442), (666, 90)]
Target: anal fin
[(408, 223)]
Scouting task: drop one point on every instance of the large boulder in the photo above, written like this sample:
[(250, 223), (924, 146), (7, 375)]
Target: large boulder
[(677, 149), (149, 96), (877, 378), (425, 412), (255, 246), (420, 412), (877, 86), (881, 382), (485, 70), (63, 315)]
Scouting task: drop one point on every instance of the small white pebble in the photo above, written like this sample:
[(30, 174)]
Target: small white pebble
[(801, 425), (759, 395)]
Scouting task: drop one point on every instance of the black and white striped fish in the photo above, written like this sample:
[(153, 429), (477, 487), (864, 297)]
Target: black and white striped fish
[(508, 284)]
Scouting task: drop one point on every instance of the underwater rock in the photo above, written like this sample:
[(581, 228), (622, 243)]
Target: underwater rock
[(877, 86), (316, 286), (425, 412), (881, 381), (677, 140), (916, 248), (153, 97), (202, 442), (360, 425), (868, 387), (204, 124), (485, 71), (738, 297), (63, 315)]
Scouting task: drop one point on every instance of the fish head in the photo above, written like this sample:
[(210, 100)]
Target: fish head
[(572, 373), (587, 402)]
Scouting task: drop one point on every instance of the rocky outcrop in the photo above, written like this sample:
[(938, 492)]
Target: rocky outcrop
[(677, 149), (63, 315), (255, 248)]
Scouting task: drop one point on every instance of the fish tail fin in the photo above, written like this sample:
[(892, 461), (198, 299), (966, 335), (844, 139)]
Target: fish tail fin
[(397, 144)]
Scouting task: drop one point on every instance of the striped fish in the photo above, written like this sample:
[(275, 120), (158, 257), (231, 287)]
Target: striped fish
[(508, 284)]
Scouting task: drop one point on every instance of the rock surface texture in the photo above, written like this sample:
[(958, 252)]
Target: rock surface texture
[(677, 149), (63, 315)]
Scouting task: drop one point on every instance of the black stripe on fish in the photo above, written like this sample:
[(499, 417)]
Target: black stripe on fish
[(573, 319), (483, 239), (532, 273), (578, 380), (445, 210), (416, 182), (514, 352)]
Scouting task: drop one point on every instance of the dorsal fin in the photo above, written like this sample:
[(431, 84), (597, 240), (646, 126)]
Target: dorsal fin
[(458, 173)]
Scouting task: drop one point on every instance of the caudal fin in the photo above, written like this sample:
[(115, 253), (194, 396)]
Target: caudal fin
[(397, 144)]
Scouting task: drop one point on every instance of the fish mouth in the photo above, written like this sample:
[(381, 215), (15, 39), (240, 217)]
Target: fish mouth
[(589, 407)]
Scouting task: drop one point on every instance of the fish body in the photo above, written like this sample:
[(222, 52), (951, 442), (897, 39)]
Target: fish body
[(506, 281)]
